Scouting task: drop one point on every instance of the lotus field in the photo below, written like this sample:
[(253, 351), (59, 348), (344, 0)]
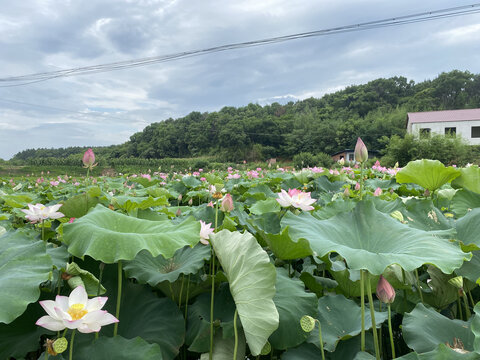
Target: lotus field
[(257, 264)]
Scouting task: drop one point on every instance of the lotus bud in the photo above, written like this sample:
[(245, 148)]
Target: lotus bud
[(190, 202), (357, 186), (179, 212), (227, 203), (89, 159), (377, 192), (346, 192), (361, 151), (385, 291), (341, 161), (180, 197)]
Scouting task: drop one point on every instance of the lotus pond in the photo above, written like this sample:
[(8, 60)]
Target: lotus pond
[(259, 264)]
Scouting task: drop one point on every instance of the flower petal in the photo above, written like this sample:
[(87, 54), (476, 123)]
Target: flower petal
[(78, 296), (96, 303), (62, 302), (49, 307), (50, 323)]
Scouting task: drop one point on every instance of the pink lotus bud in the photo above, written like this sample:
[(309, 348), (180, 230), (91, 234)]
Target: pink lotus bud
[(361, 152), (346, 192), (179, 212), (377, 192), (227, 203), (190, 202), (357, 186), (385, 291), (89, 159)]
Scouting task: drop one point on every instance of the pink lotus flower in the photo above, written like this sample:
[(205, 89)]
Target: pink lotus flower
[(75, 312), (205, 231), (227, 203), (385, 291), (296, 198), (89, 159), (377, 192), (40, 212)]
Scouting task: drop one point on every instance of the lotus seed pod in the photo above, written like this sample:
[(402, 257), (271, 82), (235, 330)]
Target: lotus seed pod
[(457, 282), (307, 323), (60, 345)]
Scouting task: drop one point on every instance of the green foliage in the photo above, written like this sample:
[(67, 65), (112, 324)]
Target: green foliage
[(450, 151), (304, 159)]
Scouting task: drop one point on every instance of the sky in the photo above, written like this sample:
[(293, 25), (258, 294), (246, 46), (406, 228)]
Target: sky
[(107, 108)]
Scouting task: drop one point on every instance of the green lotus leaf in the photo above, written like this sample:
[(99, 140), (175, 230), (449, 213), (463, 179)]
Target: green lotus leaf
[(324, 185), (17, 200), (468, 228), (89, 280), (251, 277), (146, 183), (442, 352), (341, 319), (475, 327), (118, 348), (78, 205), (191, 181), (22, 335), (292, 302), (317, 284), (265, 206), (423, 329), (368, 239), (469, 179), (153, 270), (224, 348), (429, 174), (469, 269), (129, 203), (442, 292), (334, 208), (423, 215), (109, 236), (24, 265), (286, 248), (198, 327), (464, 201), (143, 313)]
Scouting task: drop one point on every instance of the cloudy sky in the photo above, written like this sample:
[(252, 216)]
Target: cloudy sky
[(107, 108)]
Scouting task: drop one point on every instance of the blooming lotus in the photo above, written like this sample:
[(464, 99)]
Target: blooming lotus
[(296, 198), (75, 312), (205, 231), (40, 212)]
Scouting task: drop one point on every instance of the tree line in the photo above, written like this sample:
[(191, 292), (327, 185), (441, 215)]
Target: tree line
[(375, 111)]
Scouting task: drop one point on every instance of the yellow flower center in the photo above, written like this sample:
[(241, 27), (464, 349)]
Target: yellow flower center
[(77, 311)]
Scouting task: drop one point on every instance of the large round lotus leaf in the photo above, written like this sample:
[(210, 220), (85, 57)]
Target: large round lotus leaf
[(144, 314), (153, 270), (464, 201), (251, 277), (224, 347), (341, 319), (78, 205), (442, 352), (292, 302), (469, 179), (429, 174), (475, 326), (118, 348), (468, 228), (423, 215), (285, 247), (130, 203), (423, 329), (109, 236), (368, 239), (24, 265), (469, 269)]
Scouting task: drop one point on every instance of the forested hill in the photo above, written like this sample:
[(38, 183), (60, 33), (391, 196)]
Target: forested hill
[(374, 111)]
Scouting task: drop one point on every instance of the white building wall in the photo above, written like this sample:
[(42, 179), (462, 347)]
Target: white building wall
[(464, 129)]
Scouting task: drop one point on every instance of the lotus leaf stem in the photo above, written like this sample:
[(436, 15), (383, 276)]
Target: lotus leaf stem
[(119, 296), (362, 306), (418, 286), (320, 338), (100, 276), (70, 352), (372, 315), (181, 292), (235, 348), (390, 331), (467, 308)]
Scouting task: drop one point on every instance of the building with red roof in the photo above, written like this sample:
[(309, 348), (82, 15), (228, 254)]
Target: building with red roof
[(464, 123)]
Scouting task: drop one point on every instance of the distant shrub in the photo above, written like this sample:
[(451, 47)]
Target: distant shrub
[(324, 160), (304, 159)]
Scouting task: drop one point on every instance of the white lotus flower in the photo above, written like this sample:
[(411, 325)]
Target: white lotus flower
[(296, 198), (40, 212), (75, 312), (205, 231)]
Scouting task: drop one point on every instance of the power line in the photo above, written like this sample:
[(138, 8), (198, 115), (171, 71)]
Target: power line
[(395, 21)]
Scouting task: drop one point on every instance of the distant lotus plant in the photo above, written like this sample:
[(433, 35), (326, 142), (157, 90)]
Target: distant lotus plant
[(89, 160)]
